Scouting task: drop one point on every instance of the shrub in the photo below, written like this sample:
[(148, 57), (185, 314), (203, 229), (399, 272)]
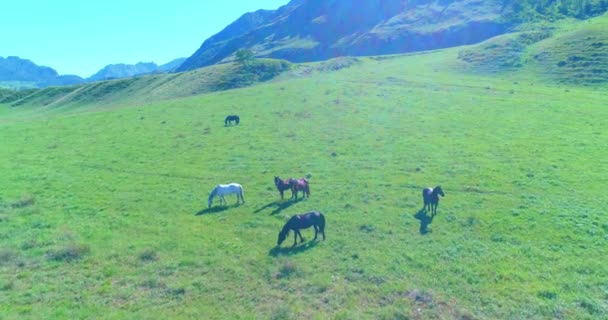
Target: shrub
[(70, 253), (148, 255)]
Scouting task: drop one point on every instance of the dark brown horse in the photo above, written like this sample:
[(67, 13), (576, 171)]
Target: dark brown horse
[(431, 198), (299, 185), (302, 221), (231, 118), (283, 185)]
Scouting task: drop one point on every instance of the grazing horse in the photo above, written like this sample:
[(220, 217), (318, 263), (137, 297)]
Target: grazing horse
[(231, 118), (303, 221), (297, 185), (224, 189), (431, 198), (282, 185)]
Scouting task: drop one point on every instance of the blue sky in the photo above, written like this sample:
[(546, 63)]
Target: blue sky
[(80, 37)]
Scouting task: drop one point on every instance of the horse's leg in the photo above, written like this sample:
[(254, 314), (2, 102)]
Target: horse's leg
[(301, 238), (295, 237), (281, 191), (316, 232)]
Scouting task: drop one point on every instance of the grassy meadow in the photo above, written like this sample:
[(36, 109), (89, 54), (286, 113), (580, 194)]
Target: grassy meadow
[(103, 210)]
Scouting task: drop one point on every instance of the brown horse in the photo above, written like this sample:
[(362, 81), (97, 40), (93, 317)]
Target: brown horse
[(302, 221), (299, 185), (283, 185), (431, 198)]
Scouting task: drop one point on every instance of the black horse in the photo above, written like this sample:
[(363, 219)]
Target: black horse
[(231, 118), (431, 198), (283, 185), (303, 221)]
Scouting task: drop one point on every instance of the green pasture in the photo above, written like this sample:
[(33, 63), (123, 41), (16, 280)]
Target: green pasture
[(103, 210)]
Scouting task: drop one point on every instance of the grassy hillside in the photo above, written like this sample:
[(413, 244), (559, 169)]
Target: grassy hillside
[(149, 88), (103, 211), (570, 52)]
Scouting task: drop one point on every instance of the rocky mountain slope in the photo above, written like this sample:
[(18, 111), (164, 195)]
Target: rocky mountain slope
[(312, 30), (309, 30)]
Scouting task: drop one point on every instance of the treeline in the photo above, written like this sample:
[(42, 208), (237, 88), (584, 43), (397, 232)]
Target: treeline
[(526, 10)]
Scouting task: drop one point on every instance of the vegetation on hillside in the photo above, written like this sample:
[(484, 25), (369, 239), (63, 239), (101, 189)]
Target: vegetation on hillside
[(567, 52), (527, 10), (150, 88), (250, 71)]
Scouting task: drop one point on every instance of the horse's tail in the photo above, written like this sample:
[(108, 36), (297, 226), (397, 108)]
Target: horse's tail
[(322, 224), (242, 194)]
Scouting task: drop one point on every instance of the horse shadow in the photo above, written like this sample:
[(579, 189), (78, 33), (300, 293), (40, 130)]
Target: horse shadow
[(277, 205), (290, 251), (216, 209), (425, 220)]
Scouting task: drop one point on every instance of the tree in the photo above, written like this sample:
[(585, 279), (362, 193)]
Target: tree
[(244, 56)]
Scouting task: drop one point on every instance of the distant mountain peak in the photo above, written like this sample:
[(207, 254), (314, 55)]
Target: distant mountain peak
[(122, 70), (15, 69)]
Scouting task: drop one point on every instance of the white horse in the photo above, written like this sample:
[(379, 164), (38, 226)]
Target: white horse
[(224, 189)]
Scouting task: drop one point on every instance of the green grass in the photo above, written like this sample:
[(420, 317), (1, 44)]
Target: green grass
[(100, 209)]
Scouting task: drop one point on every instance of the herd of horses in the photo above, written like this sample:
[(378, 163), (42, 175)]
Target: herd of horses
[(315, 219)]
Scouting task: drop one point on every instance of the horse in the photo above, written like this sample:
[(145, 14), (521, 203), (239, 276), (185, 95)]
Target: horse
[(282, 185), (231, 118), (303, 221), (431, 198), (297, 185), (224, 189)]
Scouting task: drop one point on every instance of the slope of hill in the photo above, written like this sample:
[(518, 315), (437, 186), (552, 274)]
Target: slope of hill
[(310, 30), (22, 73), (149, 88), (103, 213), (569, 53)]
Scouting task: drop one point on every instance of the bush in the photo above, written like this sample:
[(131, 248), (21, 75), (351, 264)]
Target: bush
[(70, 253), (148, 255)]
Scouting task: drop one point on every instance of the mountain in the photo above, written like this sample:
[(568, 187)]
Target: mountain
[(29, 74), (309, 30), (312, 30), (20, 73), (121, 70), (171, 66)]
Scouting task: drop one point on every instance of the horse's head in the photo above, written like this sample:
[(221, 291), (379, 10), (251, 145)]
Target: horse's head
[(210, 200), (439, 191), (282, 236)]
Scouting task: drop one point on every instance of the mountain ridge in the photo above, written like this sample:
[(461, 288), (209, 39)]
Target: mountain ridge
[(20, 73), (313, 30), (122, 70)]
